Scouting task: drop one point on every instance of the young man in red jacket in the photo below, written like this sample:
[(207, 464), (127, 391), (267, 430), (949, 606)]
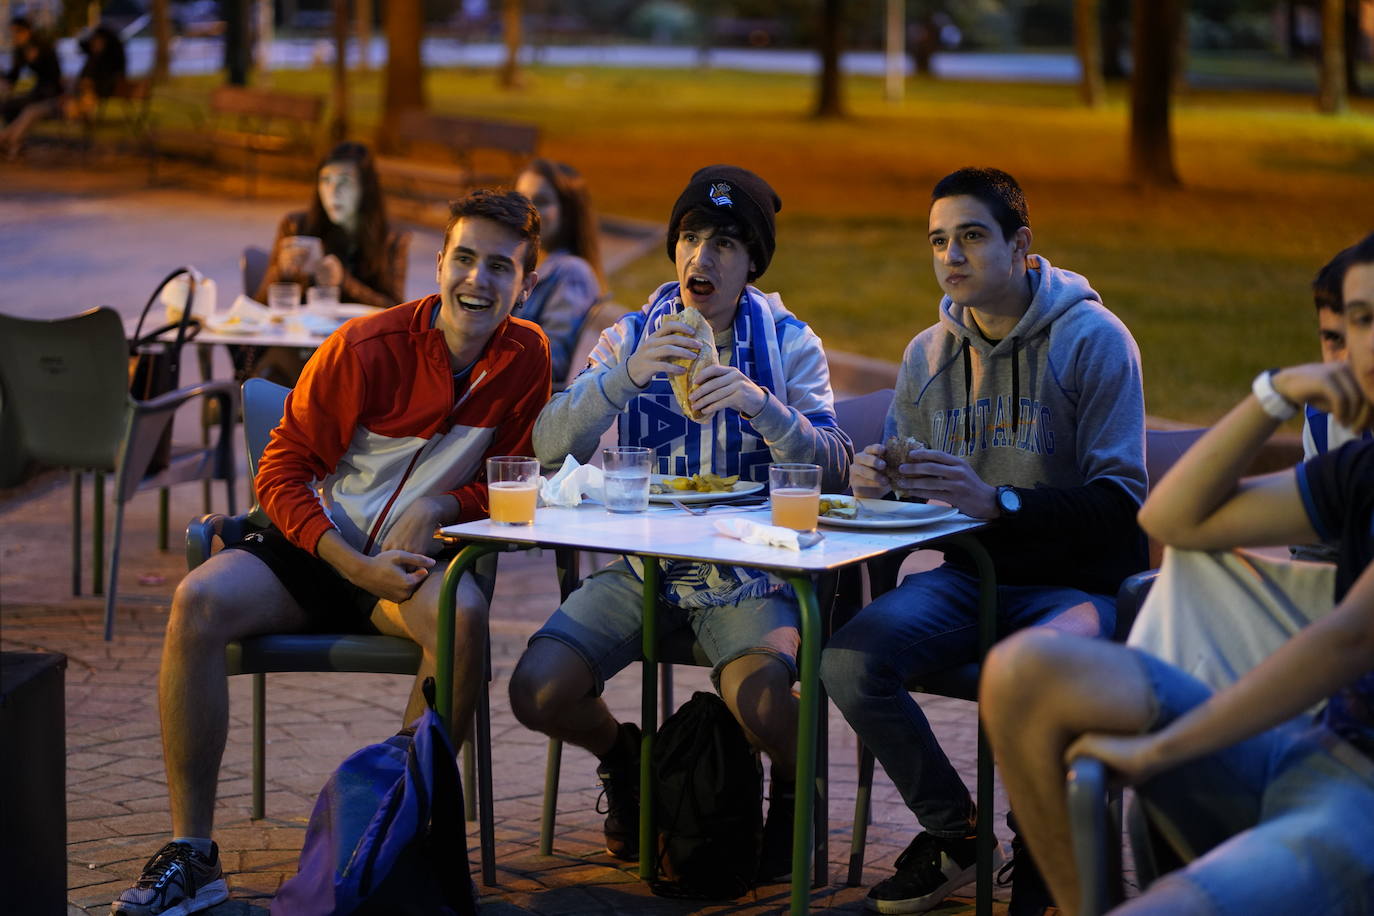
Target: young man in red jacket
[(384, 439)]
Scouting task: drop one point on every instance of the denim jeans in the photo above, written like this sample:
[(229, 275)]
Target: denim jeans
[(1281, 821), (927, 624)]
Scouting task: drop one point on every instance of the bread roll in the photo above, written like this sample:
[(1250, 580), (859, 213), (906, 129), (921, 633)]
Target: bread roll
[(684, 384), (895, 453)]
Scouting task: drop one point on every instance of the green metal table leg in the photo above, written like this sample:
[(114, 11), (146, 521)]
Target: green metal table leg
[(448, 604), (164, 510), (809, 665), (648, 861), (987, 635)]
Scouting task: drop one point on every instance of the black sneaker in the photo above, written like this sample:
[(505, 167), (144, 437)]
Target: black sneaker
[(176, 881), (928, 871), (620, 789), (1029, 894)]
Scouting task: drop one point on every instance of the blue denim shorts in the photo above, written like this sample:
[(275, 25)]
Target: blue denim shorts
[(1283, 822), (601, 622)]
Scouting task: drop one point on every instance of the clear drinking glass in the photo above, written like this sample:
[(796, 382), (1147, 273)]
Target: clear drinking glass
[(627, 477), (512, 488), (284, 296), (322, 296), (795, 495)]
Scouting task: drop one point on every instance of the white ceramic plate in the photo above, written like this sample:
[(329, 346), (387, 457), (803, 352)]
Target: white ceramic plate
[(888, 513), (687, 497)]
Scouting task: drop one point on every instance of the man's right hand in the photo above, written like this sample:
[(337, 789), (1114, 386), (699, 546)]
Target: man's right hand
[(866, 473), (1331, 387), (672, 340), (391, 574)]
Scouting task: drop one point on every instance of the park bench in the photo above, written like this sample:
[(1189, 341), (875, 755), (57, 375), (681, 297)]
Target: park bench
[(443, 156), (252, 122)]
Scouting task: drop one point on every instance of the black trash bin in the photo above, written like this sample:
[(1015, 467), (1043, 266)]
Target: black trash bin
[(33, 783)]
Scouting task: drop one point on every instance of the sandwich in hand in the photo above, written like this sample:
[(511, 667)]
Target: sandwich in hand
[(896, 453), (685, 384)]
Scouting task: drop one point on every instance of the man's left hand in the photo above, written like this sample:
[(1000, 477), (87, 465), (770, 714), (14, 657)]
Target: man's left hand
[(933, 474), (719, 387), (414, 530)]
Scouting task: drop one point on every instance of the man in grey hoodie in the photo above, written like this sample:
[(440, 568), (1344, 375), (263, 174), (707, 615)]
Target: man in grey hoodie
[(769, 400), (1027, 398)]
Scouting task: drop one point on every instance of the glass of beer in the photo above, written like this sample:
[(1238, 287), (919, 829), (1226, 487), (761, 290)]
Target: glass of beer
[(795, 495), (512, 487)]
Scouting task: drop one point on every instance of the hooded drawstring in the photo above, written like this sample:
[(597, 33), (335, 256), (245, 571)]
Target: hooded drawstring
[(968, 399), (1015, 387)]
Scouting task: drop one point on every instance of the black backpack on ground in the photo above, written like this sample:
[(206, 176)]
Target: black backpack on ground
[(708, 803)]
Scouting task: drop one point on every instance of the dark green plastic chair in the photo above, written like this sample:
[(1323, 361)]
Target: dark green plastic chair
[(67, 404)]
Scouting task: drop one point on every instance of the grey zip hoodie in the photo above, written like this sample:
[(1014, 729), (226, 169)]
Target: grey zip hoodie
[(1056, 408)]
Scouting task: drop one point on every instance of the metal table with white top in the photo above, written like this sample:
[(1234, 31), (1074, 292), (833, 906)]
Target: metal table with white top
[(672, 534)]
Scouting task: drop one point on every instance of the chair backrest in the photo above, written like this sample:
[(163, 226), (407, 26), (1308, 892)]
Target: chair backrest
[(1165, 446), (602, 316), (263, 405), (66, 387), (253, 267), (862, 417)]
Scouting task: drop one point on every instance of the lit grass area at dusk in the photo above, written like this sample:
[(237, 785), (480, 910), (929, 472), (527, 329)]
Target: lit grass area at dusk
[(1212, 279)]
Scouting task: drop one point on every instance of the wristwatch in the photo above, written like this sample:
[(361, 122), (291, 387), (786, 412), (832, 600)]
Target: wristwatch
[(1270, 401), (1008, 500)]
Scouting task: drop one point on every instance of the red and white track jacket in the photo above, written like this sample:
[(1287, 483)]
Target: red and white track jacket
[(373, 423)]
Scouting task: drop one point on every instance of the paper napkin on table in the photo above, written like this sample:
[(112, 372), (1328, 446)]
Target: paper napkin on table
[(572, 482), (754, 533), (243, 315)]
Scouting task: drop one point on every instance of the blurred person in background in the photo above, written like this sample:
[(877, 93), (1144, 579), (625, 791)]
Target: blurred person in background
[(34, 53), (569, 259)]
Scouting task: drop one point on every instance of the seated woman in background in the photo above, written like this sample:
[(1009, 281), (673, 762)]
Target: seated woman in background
[(569, 260), (357, 250)]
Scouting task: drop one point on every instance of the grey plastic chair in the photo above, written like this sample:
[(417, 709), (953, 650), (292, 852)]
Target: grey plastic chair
[(263, 404), (66, 400), (252, 268)]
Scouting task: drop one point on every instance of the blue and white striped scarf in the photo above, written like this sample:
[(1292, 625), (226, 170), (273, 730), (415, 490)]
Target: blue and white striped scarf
[(726, 444)]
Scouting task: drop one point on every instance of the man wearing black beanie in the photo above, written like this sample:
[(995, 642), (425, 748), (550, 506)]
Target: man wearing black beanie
[(768, 400)]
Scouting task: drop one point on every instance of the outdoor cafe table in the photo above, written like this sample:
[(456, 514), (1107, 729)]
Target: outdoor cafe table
[(671, 534)]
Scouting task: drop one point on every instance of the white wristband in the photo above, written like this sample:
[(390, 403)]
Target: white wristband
[(1270, 401)]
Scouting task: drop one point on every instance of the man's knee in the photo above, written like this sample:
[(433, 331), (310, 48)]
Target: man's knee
[(847, 673), (546, 682), (199, 607), (758, 688)]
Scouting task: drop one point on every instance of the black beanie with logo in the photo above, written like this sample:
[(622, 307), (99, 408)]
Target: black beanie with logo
[(738, 193)]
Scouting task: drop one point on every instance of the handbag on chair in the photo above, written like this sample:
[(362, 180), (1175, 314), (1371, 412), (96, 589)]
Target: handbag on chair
[(155, 361)]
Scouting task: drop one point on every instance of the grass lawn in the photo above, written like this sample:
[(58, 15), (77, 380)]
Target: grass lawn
[(1212, 279)]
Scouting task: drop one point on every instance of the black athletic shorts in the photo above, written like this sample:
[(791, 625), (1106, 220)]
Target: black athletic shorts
[(332, 603)]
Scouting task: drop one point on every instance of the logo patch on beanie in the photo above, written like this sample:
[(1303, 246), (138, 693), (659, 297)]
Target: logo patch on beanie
[(720, 194)]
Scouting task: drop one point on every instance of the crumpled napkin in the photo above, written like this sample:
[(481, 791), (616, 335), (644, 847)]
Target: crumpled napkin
[(243, 315), (754, 533), (572, 482)]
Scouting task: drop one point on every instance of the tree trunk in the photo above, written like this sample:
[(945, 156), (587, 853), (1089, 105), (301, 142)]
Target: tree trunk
[(238, 56), (1332, 96), (509, 77), (895, 48), (338, 125), (363, 16), (1352, 47), (405, 88), (829, 99), (1087, 39), (1154, 26), (162, 42)]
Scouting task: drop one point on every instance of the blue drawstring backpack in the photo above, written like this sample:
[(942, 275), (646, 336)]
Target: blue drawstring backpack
[(387, 832)]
